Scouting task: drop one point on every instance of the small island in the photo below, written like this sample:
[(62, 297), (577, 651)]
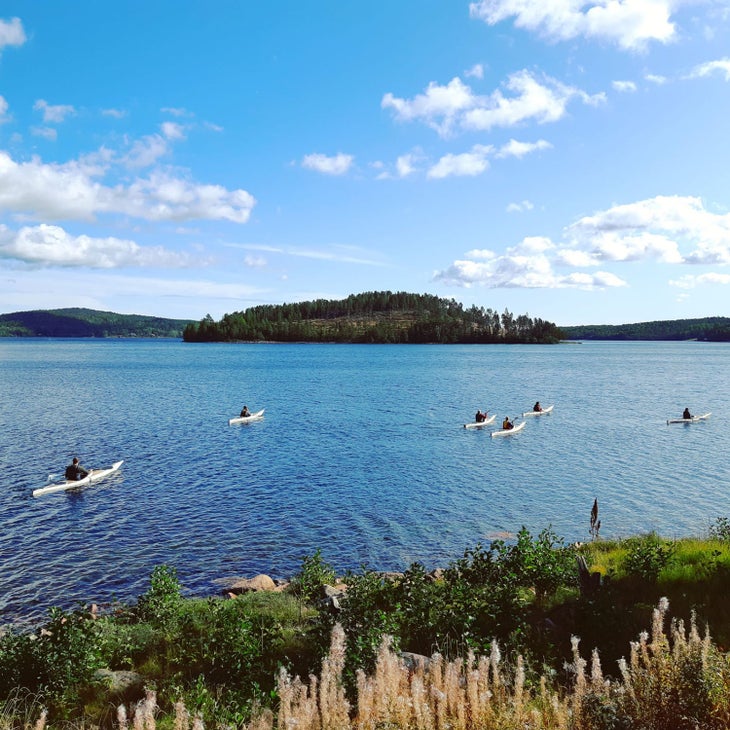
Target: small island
[(381, 317)]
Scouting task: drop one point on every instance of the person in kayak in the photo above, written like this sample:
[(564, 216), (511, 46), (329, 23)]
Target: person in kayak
[(74, 471), (537, 407), (507, 425), (481, 417), (245, 413), (686, 413)]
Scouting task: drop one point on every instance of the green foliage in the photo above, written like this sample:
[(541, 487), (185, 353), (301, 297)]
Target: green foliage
[(314, 573), (160, 605), (383, 317), (720, 530), (647, 556)]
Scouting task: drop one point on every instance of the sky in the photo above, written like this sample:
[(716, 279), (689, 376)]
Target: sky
[(563, 159)]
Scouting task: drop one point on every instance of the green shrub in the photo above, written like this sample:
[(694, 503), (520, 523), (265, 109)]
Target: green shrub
[(314, 573), (647, 556), (720, 530)]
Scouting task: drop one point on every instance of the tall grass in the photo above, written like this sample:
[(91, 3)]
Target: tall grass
[(674, 679)]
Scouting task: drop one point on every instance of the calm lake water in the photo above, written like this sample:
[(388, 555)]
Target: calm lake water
[(362, 453)]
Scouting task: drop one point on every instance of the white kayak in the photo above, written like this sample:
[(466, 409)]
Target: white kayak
[(479, 424), (509, 431), (247, 419), (549, 409), (694, 419), (95, 475)]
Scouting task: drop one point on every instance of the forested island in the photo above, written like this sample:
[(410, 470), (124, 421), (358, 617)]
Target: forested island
[(706, 329), (374, 317), (87, 323)]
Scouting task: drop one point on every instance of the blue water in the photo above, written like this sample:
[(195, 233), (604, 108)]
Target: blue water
[(362, 453)]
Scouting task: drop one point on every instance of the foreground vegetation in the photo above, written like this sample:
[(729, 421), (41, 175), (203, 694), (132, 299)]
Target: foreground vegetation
[(500, 625), (87, 323), (374, 317)]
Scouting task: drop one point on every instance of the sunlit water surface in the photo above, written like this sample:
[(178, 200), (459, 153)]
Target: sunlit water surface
[(362, 453)]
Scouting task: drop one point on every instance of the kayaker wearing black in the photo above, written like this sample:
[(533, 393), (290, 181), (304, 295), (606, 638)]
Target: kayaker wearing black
[(507, 424), (245, 413), (74, 471), (480, 417), (686, 413), (537, 407)]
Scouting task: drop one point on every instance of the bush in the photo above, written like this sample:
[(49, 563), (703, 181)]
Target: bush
[(313, 574), (647, 557)]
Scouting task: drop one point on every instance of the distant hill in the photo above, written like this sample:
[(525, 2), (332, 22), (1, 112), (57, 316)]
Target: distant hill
[(87, 323), (374, 317), (707, 329)]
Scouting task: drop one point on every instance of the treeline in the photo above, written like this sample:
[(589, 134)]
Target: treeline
[(374, 317), (707, 329), (87, 323)]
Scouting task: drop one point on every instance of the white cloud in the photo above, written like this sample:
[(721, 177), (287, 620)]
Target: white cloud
[(405, 165), (466, 164), (337, 165), (53, 113), (173, 131), (46, 245), (114, 113), (146, 152), (176, 111), (624, 86), (254, 262), (656, 79), (721, 66), (670, 229), (3, 110), (691, 281), (520, 207), (11, 33), (49, 133), (73, 191), (513, 148), (525, 266), (454, 106), (631, 24), (475, 72)]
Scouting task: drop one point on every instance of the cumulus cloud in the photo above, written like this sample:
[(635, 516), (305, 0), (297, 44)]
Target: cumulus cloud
[(513, 148), (146, 151), (73, 191), (114, 113), (721, 66), (455, 106), (475, 72), (624, 86), (171, 130), (337, 165), (47, 245), (670, 229), (630, 24), (527, 265), (53, 113), (520, 207), (656, 79), (11, 33), (469, 163), (691, 281)]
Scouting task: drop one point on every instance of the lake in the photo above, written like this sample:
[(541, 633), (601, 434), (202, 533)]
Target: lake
[(361, 453)]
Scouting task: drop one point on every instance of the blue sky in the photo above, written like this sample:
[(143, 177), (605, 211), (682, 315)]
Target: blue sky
[(564, 159)]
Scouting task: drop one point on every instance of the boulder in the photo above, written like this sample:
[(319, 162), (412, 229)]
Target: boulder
[(259, 582)]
